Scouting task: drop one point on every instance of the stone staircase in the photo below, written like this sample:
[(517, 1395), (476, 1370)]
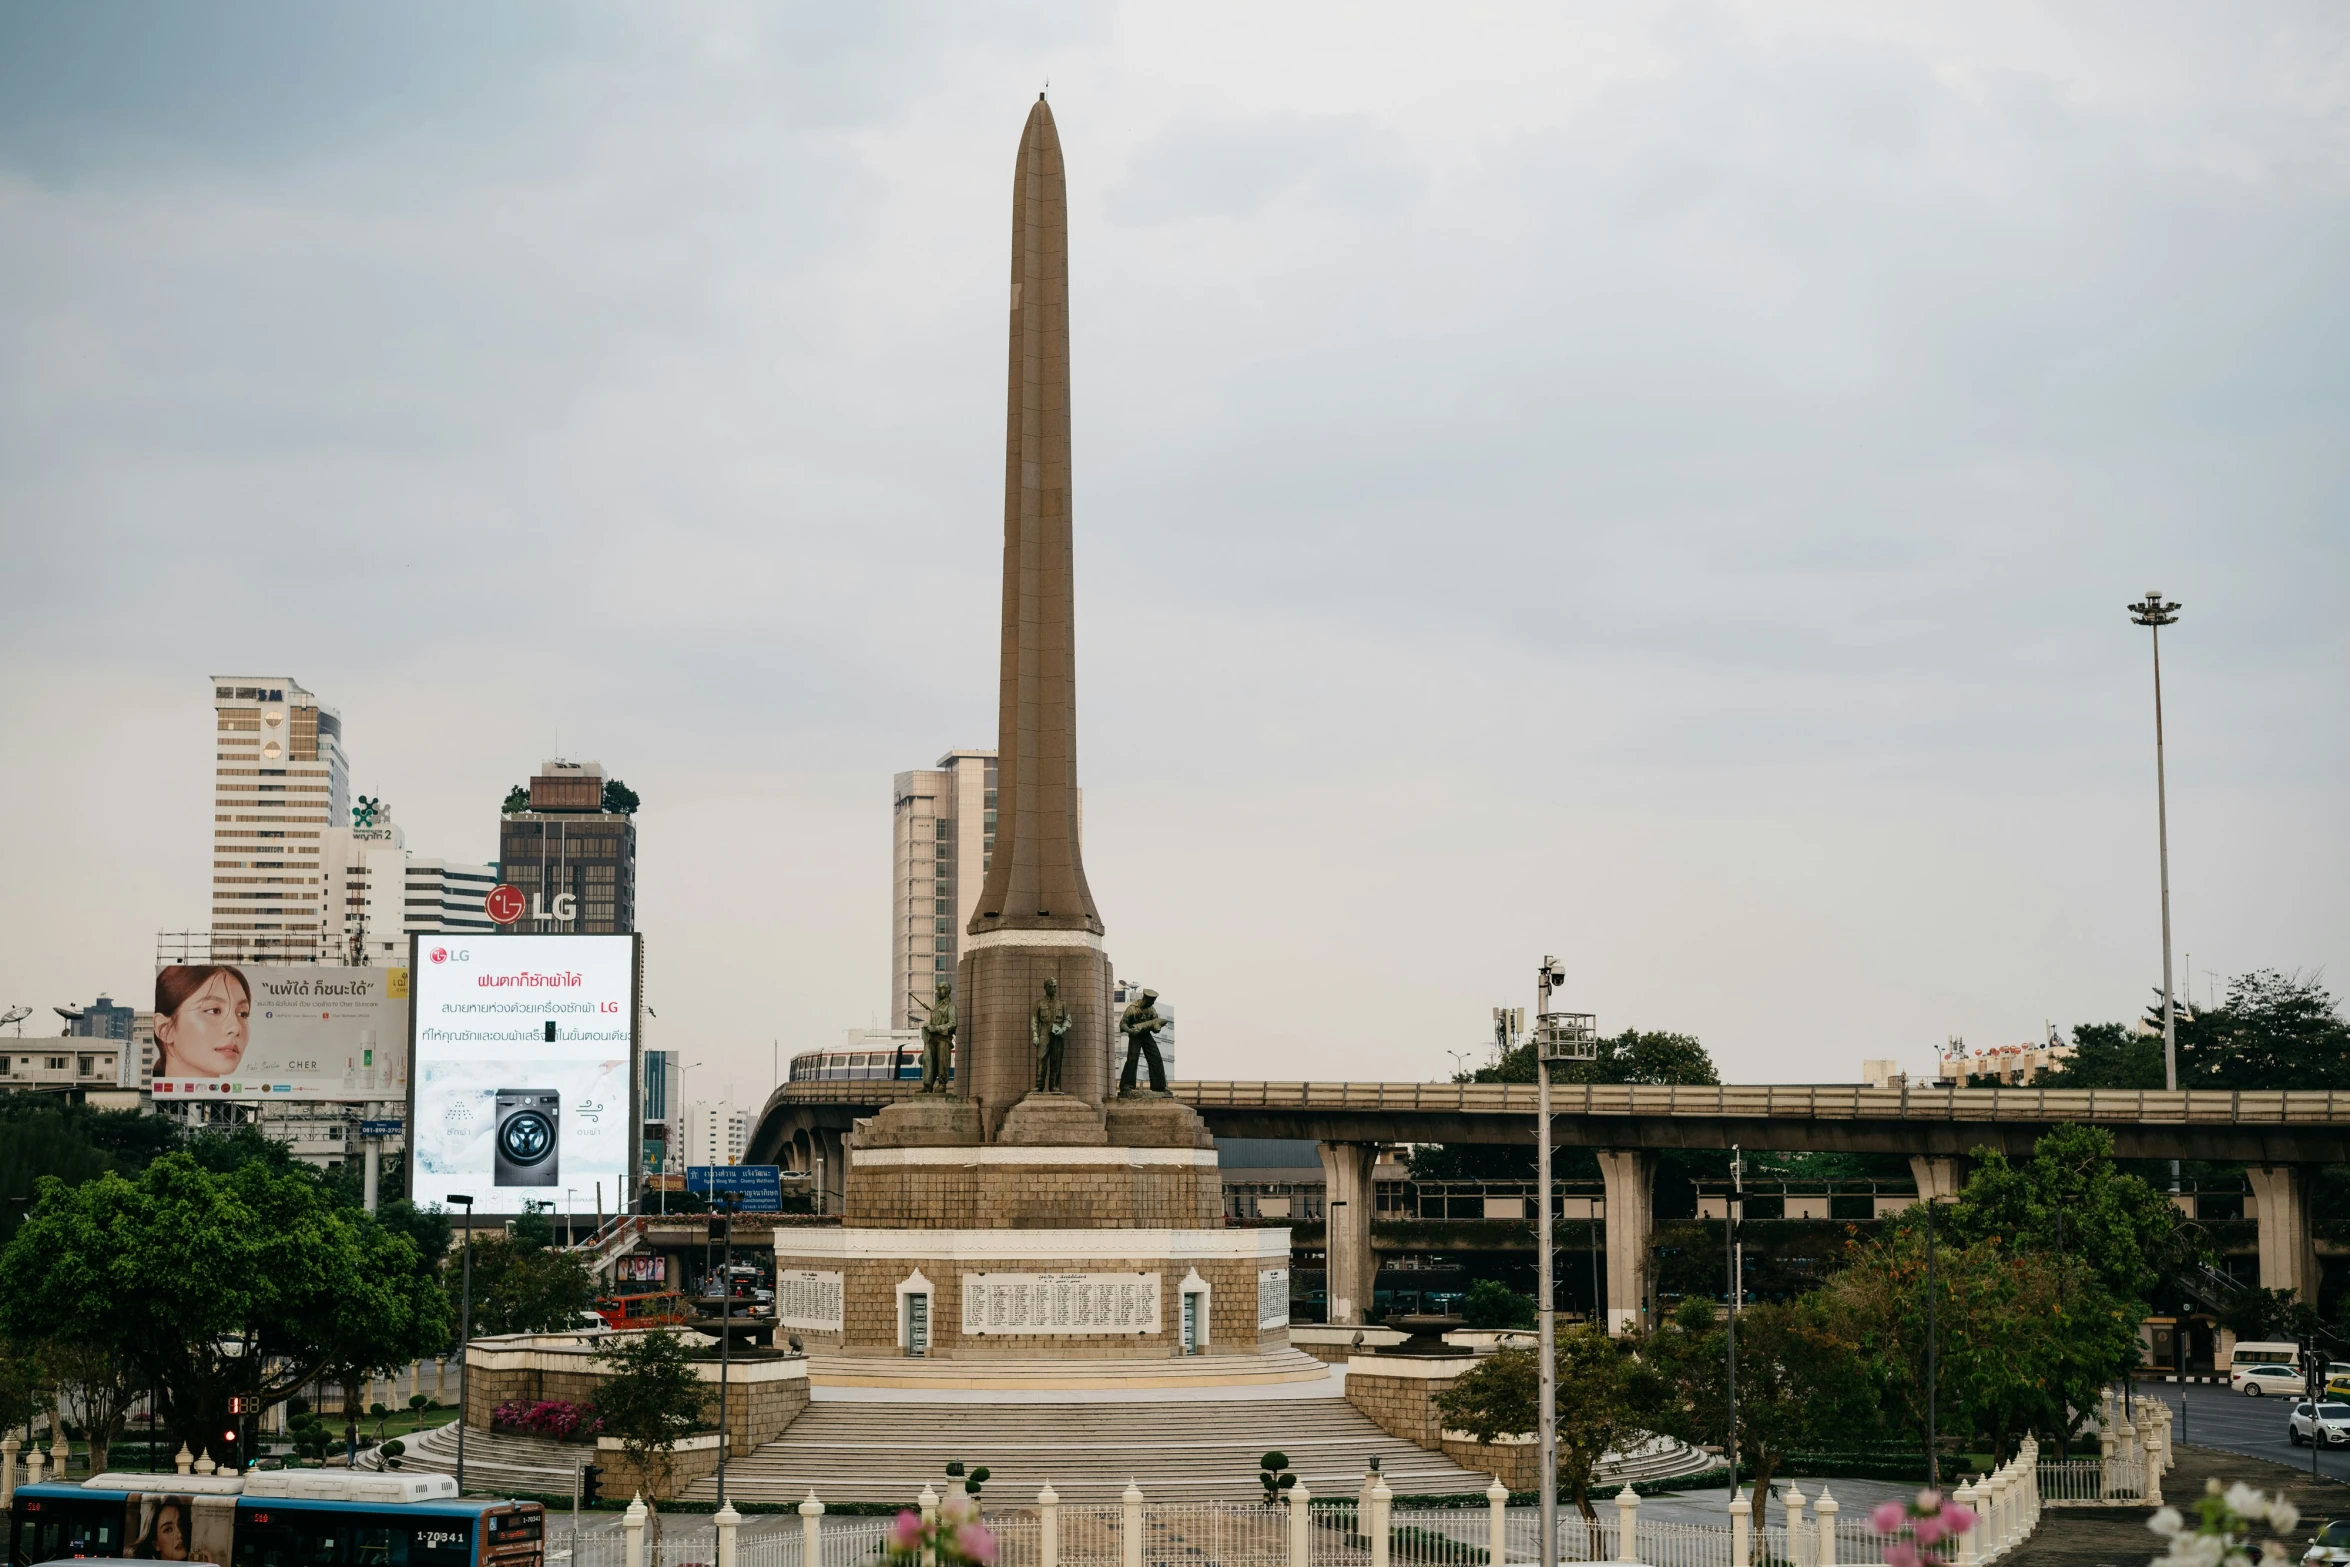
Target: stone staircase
[(1189, 1451)]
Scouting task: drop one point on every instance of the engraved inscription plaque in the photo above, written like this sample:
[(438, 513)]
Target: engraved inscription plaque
[(1272, 1297), (1060, 1303), (805, 1298)]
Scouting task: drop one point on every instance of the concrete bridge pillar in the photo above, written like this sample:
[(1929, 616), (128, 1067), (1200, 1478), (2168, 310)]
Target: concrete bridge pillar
[(1939, 1175), (1351, 1269), (832, 1169), (1631, 1216), (2280, 1204)]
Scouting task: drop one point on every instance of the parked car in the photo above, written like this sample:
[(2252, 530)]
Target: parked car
[(2264, 1378), (2332, 1543), (2333, 1420)]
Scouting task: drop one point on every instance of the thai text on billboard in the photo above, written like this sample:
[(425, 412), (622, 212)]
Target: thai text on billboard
[(524, 1054), (307, 1032)]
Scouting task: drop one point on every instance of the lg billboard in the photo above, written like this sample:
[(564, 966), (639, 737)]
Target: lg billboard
[(524, 1069)]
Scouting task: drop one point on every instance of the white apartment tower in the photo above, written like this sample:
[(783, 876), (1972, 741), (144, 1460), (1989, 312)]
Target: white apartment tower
[(712, 1134), (942, 832), (280, 783), (385, 893)]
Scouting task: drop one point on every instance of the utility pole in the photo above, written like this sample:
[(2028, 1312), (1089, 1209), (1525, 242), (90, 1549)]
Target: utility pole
[(464, 1336), (1733, 1203), (1933, 1450), (2154, 614)]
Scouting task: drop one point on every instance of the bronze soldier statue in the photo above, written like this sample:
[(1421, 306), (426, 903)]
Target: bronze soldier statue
[(1141, 1024), (938, 1040), (1048, 1036)]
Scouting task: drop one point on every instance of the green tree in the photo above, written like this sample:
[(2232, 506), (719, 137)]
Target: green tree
[(42, 1135), (1493, 1304), (1599, 1398), (1800, 1382), (99, 1386), (517, 799), (619, 797), (2110, 1055), (212, 1285), (2275, 1030), (651, 1400), (2069, 1199), (523, 1288), (1629, 1057)]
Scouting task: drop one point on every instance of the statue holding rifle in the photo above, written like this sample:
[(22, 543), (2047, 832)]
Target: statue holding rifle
[(1141, 1024), (1048, 1036), (938, 1039)]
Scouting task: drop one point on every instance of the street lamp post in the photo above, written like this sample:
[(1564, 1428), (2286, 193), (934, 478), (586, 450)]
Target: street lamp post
[(464, 1337), (2154, 614), (1558, 1036), (725, 1340)]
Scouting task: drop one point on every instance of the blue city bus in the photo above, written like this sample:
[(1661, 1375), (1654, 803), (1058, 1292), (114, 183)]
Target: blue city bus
[(275, 1518)]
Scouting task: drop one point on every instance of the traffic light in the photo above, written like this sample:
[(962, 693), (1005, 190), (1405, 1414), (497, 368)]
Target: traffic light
[(591, 1483)]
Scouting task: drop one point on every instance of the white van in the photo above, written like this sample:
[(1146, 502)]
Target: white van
[(2255, 1368)]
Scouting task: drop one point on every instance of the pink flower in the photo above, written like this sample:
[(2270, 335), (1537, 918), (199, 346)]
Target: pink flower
[(1901, 1554), (1888, 1517), (906, 1533), (1929, 1500), (974, 1543), (1958, 1518), (1928, 1529)]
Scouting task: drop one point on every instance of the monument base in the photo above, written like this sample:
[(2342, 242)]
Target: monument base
[(1045, 1120), (932, 1121), (1150, 1120)]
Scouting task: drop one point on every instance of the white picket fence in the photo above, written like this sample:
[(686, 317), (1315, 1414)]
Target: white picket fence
[(1367, 1531)]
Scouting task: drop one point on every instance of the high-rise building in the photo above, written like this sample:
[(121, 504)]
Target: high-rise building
[(942, 833), (711, 1134), (101, 1019), (280, 783), (571, 835), (385, 893)]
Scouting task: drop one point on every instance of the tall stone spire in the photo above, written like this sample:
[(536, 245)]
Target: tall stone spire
[(1035, 923), (1036, 881)]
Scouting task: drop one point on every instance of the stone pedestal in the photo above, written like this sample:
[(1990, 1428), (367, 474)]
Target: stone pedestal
[(932, 1121), (1053, 1121), (1146, 1120), (997, 986)]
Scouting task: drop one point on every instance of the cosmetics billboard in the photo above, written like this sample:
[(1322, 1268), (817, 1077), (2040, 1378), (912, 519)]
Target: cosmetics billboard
[(524, 1069), (298, 1032)]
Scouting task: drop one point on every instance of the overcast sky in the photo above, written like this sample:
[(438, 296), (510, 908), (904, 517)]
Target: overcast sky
[(1654, 484)]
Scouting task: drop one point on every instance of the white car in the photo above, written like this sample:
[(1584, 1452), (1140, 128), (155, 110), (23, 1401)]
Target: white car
[(2264, 1378), (2332, 1544), (2332, 1419)]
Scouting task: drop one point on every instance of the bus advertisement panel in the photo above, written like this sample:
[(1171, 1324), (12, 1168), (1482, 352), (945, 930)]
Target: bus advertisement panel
[(525, 1052)]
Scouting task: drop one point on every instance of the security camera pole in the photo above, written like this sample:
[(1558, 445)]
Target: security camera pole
[(2152, 613), (464, 1336), (1558, 1036)]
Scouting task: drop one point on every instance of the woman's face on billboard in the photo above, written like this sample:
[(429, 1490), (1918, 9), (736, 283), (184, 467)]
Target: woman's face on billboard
[(171, 1534), (206, 1036)]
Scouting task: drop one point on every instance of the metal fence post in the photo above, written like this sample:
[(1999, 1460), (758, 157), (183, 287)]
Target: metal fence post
[(1301, 1537), (728, 1522), (1130, 1526), (1741, 1528), (1824, 1511), (1497, 1523), (632, 1529), (812, 1532), (1627, 1524), (1381, 1500), (1048, 1526)]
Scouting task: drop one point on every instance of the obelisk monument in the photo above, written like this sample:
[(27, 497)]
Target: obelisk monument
[(1036, 918)]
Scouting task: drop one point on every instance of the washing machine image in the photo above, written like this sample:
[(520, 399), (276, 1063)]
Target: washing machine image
[(527, 1153)]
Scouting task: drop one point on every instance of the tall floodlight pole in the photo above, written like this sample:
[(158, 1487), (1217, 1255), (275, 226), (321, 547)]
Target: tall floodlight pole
[(1933, 1441), (464, 1336), (1546, 1312), (2152, 613)]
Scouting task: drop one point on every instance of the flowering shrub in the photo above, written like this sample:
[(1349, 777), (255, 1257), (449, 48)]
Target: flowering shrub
[(1920, 1532), (2225, 1523), (547, 1417), (957, 1535)]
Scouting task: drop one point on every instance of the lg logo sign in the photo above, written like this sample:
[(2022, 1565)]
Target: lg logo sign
[(444, 955), (505, 904)]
